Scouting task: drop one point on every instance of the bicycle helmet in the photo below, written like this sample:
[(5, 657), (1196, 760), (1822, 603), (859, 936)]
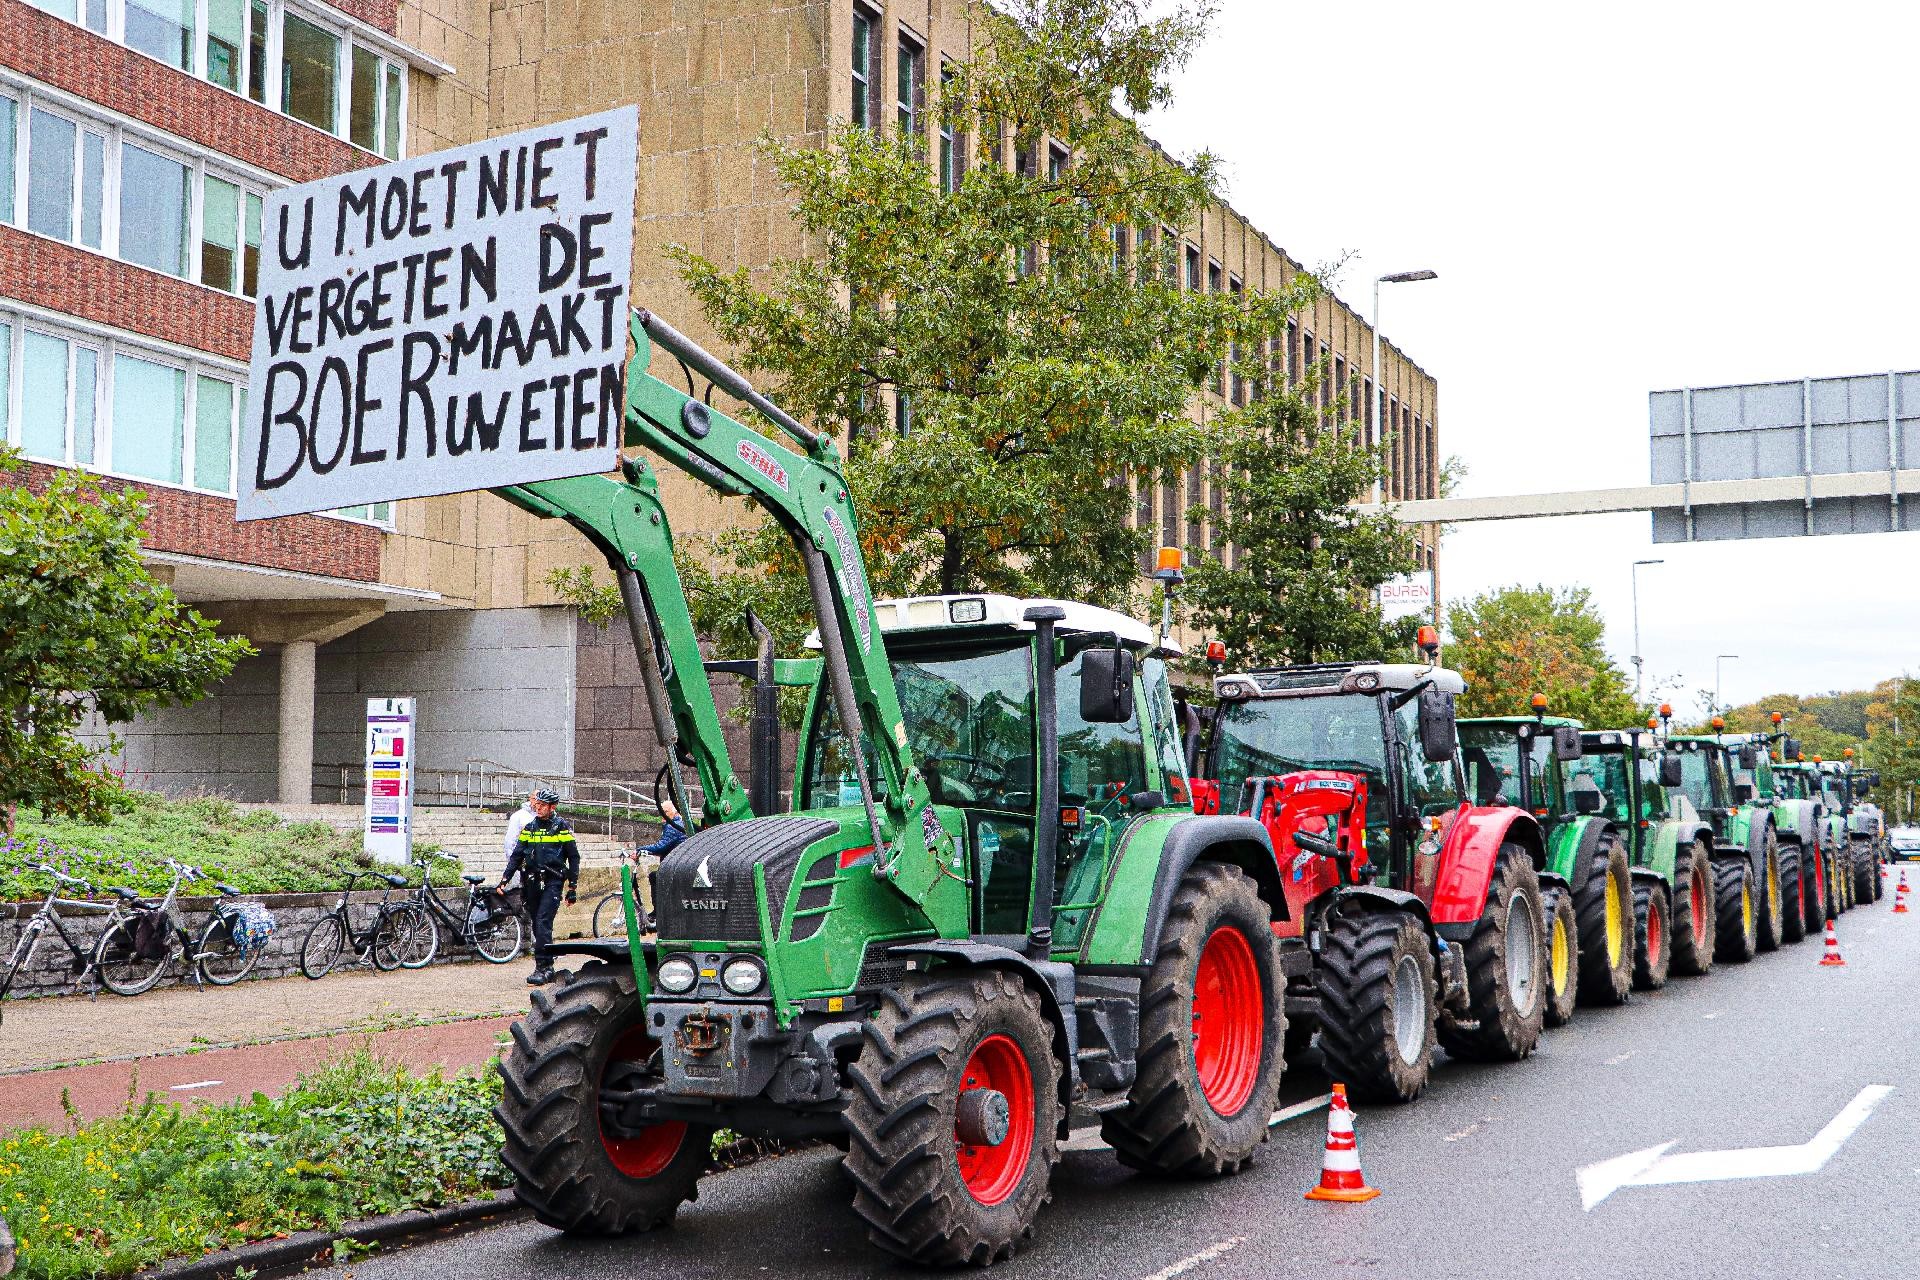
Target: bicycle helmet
[(547, 795)]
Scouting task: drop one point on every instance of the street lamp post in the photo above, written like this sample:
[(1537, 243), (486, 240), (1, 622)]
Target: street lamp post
[(1379, 406), (1634, 573), (1718, 659)]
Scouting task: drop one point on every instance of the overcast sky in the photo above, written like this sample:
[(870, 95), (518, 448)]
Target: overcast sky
[(1618, 199)]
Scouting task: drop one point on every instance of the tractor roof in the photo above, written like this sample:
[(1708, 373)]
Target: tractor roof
[(1318, 679), (1516, 721), (1601, 739), (986, 613)]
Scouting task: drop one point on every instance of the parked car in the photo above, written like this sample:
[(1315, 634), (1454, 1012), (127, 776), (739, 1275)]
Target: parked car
[(1906, 843)]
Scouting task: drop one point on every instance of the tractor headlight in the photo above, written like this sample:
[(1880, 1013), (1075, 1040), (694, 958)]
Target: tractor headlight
[(677, 975), (742, 975)]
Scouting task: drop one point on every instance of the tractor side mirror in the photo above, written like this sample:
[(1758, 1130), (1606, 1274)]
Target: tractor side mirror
[(1861, 786), (1790, 749), (1742, 793), (1106, 686), (1585, 801), (1437, 734), (1670, 775), (1749, 758), (1566, 742), (1873, 778)]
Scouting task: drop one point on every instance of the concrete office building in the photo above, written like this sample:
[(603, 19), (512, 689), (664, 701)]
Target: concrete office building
[(137, 139)]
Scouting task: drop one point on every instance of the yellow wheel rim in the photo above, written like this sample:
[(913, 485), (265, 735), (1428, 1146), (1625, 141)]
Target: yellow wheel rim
[(1616, 923), (1773, 883), (1560, 957), (1746, 908)]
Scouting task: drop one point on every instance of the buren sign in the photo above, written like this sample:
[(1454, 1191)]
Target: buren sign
[(455, 321)]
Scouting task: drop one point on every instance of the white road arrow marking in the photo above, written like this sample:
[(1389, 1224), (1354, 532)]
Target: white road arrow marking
[(1653, 1167)]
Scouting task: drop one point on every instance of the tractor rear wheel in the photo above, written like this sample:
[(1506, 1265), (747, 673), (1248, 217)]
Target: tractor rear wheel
[(1737, 934), (1563, 954), (574, 1174), (1813, 893), (1506, 967), (1213, 1025), (1653, 936), (1768, 910), (1603, 902), (1377, 1004), (1865, 877), (1794, 892), (1695, 915), (954, 1118)]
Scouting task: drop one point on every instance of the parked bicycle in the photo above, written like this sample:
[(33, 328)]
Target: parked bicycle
[(485, 920), (48, 918), (390, 936), (144, 937)]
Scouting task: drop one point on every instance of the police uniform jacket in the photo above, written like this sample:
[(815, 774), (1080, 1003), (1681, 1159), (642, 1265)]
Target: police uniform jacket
[(546, 849)]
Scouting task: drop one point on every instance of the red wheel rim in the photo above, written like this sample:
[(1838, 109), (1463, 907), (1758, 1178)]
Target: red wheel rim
[(1229, 1016), (648, 1152), (1656, 938), (991, 1173), (1698, 901)]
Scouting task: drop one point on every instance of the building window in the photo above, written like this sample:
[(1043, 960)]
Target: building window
[(161, 29), (257, 23), (1239, 379), (1340, 386), (91, 14), (910, 86), (227, 43), (310, 73), (1193, 269), (1367, 409), (953, 144), (1292, 356), (1056, 162), (1118, 233), (149, 419), (865, 55), (902, 413), (58, 384), (374, 107), (156, 197)]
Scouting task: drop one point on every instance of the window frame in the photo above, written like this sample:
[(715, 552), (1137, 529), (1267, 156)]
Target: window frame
[(910, 83), (865, 79)]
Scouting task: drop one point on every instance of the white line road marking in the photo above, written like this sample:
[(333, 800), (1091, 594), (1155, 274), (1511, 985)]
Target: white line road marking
[(1619, 1058), (1653, 1167), (1707, 1016), (1206, 1255), (1090, 1139), (197, 1084)]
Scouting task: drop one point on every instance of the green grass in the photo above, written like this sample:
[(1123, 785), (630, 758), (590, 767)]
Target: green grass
[(359, 1138), (255, 851)]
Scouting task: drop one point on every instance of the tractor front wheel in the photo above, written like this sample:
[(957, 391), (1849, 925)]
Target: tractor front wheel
[(1813, 893), (1377, 1004), (1768, 909), (1213, 1026), (575, 1172), (1506, 964), (1563, 954), (954, 1118), (1603, 901), (1795, 890), (1653, 935), (1866, 877), (1695, 914), (1737, 929)]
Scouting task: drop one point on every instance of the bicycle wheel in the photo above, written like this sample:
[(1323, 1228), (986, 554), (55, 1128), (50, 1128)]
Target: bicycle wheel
[(392, 933), (321, 950), (422, 941), (610, 916), (122, 969), (222, 960), (499, 940)]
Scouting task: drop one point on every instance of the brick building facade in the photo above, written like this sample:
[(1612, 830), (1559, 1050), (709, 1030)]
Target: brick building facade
[(137, 139)]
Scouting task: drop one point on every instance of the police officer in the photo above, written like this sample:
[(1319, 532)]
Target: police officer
[(548, 863)]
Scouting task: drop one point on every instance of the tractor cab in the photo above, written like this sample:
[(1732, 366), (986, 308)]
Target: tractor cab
[(1704, 779), (1634, 775), (1527, 761)]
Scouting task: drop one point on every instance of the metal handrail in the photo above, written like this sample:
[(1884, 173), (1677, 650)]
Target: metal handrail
[(478, 782)]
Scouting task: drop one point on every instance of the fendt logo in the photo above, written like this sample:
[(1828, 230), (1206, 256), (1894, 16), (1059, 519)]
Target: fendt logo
[(702, 879), (763, 462)]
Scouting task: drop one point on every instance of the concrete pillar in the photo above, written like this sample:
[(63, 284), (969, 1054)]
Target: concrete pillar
[(296, 721)]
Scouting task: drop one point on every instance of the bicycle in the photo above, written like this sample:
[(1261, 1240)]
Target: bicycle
[(48, 918), (130, 965), (387, 939), (610, 913), (489, 927)]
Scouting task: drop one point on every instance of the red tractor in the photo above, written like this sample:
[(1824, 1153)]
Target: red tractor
[(1414, 915)]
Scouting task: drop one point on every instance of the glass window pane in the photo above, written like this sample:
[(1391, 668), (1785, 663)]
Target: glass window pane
[(382, 511), (68, 9), (43, 397), (154, 196), (363, 100), (257, 52), (96, 15), (391, 149), (250, 260), (212, 434), (6, 380), (219, 233), (50, 175), (862, 38), (162, 29), (149, 415), (93, 169), (86, 364), (226, 38), (10, 149), (310, 70)]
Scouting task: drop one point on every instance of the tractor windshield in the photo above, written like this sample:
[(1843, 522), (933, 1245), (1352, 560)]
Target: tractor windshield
[(1696, 778), (1264, 737), (1790, 784), (1492, 755), (1605, 771)]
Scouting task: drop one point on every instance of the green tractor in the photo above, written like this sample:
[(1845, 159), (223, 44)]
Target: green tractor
[(1587, 883), (982, 925), (1746, 851), (1856, 826), (1799, 805), (1752, 770)]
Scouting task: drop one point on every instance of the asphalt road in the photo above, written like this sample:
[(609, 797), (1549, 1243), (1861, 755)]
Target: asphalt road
[(1480, 1177)]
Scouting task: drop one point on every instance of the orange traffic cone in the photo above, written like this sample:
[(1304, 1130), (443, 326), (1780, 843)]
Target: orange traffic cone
[(1340, 1177), (1833, 947), (1900, 896)]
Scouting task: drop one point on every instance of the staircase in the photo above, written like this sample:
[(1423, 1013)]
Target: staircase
[(474, 836)]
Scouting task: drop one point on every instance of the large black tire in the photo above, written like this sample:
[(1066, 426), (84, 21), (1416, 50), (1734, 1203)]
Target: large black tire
[(1696, 913), (1813, 894), (1182, 1119), (1839, 882), (1652, 936), (1793, 901), (1866, 874), (926, 1194), (1562, 949), (574, 1176), (1768, 911), (1506, 982), (1879, 880), (1378, 1004), (1736, 931), (1603, 903)]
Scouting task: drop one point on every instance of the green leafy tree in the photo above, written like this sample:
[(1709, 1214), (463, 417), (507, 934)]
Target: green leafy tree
[(1518, 641), (1297, 586), (995, 366), (84, 628)]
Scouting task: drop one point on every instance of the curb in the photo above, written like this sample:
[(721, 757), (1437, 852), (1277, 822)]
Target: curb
[(307, 1248)]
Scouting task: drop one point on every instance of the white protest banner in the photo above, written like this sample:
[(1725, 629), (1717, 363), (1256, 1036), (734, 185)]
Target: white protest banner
[(1406, 596), (451, 322)]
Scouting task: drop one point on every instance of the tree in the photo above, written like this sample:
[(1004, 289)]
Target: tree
[(1298, 584), (995, 360), (1518, 641), (1893, 745), (84, 628)]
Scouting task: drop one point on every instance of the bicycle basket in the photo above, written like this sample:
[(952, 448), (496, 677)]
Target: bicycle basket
[(150, 934), (252, 928)]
